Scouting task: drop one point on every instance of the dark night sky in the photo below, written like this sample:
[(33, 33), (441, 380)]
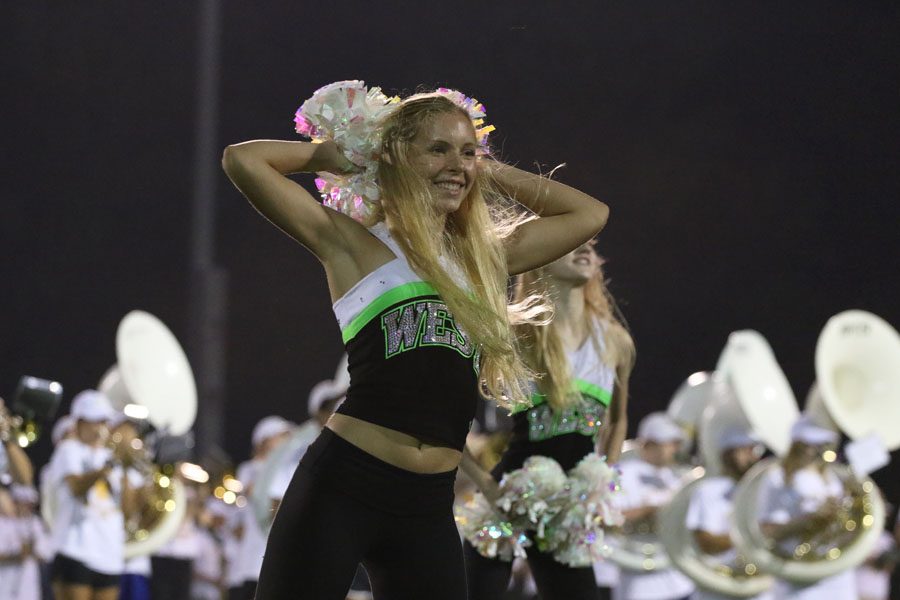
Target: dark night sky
[(748, 154)]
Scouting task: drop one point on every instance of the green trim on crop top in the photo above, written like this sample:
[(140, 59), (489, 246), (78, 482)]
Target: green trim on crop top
[(398, 331)]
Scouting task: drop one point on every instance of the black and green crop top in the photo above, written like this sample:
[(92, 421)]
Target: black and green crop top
[(412, 369), (569, 435)]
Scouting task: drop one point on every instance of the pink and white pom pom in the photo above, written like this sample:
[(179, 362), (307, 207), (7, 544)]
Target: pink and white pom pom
[(349, 114), (352, 115)]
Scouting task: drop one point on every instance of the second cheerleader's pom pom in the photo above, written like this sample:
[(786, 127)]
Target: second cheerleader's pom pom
[(531, 495), (575, 535), (565, 514)]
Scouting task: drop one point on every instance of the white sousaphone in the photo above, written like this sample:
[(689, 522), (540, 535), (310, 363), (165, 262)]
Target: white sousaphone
[(858, 373), (748, 391), (752, 393), (152, 372), (687, 404), (152, 379)]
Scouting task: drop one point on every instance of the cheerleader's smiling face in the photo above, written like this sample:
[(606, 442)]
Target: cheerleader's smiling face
[(444, 154)]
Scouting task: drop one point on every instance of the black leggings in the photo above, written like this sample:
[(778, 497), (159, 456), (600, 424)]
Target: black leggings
[(345, 507), (488, 578)]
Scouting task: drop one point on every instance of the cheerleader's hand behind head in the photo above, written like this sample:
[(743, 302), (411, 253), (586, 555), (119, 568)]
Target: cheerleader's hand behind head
[(329, 158)]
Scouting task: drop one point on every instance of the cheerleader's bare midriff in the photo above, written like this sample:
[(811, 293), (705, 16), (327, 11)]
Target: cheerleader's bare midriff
[(393, 447)]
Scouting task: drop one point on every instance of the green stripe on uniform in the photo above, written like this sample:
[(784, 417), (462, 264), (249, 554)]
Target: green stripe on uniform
[(536, 400), (596, 392), (585, 388), (389, 298)]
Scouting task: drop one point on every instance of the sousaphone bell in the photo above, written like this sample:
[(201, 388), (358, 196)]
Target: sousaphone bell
[(858, 373)]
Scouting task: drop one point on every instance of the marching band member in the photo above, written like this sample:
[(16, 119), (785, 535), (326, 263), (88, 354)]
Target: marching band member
[(710, 508), (24, 544), (323, 400), (267, 435), (95, 495), (63, 429), (803, 496), (207, 583), (233, 579), (136, 573), (173, 563), (648, 483)]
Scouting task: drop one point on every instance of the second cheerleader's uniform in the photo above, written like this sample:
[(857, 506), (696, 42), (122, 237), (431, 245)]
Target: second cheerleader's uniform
[(566, 436), (413, 370), (569, 435)]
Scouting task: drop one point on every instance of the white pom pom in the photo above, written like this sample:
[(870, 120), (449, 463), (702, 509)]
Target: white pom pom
[(351, 115), (490, 533)]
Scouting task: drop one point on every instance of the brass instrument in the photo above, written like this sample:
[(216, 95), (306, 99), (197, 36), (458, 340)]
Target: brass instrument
[(152, 380), (11, 428), (748, 391), (640, 546), (858, 375), (34, 401), (821, 549), (687, 404), (164, 501), (739, 578)]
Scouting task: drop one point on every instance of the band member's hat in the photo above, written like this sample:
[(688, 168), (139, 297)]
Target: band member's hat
[(321, 393), (737, 437), (91, 405), (660, 428), (806, 431), (269, 427)]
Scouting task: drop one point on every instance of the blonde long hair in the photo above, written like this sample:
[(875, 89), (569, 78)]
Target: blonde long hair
[(472, 238), (543, 345)]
